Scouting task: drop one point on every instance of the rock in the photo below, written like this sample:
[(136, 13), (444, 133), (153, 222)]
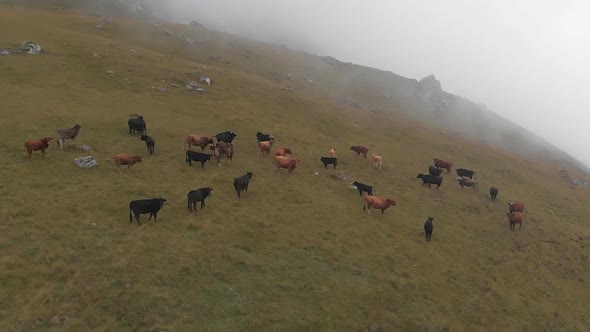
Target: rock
[(175, 85), (99, 26), (429, 83), (206, 80), (96, 55), (111, 73), (196, 24), (341, 176), (30, 47), (86, 162), (161, 89), (194, 86), (288, 89), (189, 41), (156, 25), (84, 147), (169, 33)]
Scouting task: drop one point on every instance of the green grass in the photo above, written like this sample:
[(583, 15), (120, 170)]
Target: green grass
[(296, 252)]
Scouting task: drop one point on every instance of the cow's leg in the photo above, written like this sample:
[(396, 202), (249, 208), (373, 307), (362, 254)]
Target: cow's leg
[(202, 204), (381, 211), (137, 218), (119, 168), (202, 164), (151, 214), (155, 216), (520, 225)]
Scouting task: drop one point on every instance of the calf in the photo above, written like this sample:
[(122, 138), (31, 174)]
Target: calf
[(36, 145), (137, 125), (433, 170), (264, 146), (443, 164), (283, 151), (380, 203), (515, 218), (428, 227), (241, 183), (465, 173), (221, 150), (363, 187), (226, 137), (467, 182), (197, 156), (260, 137), (430, 179), (195, 196), (65, 134), (359, 149), (125, 159), (196, 140), (143, 206), (493, 193), (332, 152), (329, 160), (288, 163), (149, 142), (377, 161), (516, 206)]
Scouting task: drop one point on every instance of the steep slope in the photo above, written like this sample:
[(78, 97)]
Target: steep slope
[(296, 252)]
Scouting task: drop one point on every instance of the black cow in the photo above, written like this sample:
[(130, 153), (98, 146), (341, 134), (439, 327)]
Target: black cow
[(197, 156), (264, 137), (137, 125), (241, 183), (466, 173), (433, 170), (493, 193), (149, 142), (195, 196), (430, 179), (143, 206), (329, 160), (226, 136), (363, 187), (428, 227)]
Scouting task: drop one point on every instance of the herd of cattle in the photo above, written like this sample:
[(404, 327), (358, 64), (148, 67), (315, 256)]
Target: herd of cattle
[(222, 146)]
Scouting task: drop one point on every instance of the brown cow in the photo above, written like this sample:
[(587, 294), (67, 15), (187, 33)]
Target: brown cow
[(332, 152), (443, 164), (288, 163), (515, 218), (196, 140), (467, 182), (377, 161), (380, 203), (264, 146), (221, 150), (65, 134), (360, 149), (36, 145), (125, 159), (516, 206), (283, 151)]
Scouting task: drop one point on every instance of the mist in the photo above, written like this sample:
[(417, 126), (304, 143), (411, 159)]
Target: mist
[(528, 61)]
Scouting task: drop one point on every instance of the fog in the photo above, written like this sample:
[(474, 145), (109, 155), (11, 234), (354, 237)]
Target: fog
[(526, 60)]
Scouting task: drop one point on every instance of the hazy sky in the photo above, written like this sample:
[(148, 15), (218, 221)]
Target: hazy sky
[(528, 60)]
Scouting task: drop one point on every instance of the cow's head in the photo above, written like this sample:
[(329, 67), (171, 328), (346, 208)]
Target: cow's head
[(143, 137), (140, 117), (213, 146), (137, 159), (209, 156), (77, 126), (391, 201), (430, 219), (162, 202), (47, 139), (288, 151), (249, 174), (420, 176)]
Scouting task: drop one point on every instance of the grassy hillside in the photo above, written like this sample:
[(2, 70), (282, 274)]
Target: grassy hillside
[(296, 252)]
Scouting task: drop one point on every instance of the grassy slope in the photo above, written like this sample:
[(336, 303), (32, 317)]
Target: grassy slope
[(296, 252)]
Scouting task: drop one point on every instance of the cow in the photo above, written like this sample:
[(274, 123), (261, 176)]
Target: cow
[(433, 170), (428, 227), (197, 156), (430, 179), (137, 125), (260, 137), (359, 149), (197, 140), (377, 161), (516, 206), (380, 203), (264, 146), (125, 159), (143, 206), (36, 145), (465, 173), (221, 150), (241, 183), (65, 134), (443, 164), (329, 160), (226, 137), (195, 196), (515, 218), (332, 152), (283, 151), (149, 142), (363, 187), (288, 163), (467, 182), (493, 193)]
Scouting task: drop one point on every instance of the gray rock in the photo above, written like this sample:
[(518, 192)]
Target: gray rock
[(86, 162), (30, 47)]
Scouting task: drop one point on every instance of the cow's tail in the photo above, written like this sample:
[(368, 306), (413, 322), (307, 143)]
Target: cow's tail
[(130, 219)]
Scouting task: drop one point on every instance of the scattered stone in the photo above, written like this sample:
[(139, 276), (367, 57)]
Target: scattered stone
[(309, 81), (84, 147), (96, 55), (196, 24), (86, 162), (194, 86), (161, 89), (288, 89), (156, 25), (206, 80), (175, 85), (169, 33), (189, 41), (111, 73), (30, 47), (132, 50), (341, 176), (100, 26)]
